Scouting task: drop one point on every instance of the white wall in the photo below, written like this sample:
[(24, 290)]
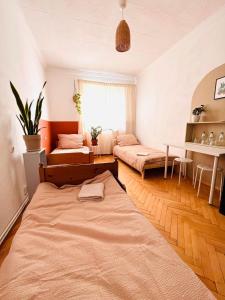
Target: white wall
[(20, 62), (165, 88), (60, 89)]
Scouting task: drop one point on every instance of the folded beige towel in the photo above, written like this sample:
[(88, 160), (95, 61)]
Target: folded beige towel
[(92, 191), (143, 154)]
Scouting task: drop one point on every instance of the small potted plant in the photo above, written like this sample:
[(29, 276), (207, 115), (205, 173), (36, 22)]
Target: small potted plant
[(95, 131), (196, 113), (30, 126), (77, 101)]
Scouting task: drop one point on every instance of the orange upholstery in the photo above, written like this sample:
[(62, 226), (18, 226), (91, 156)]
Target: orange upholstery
[(51, 129)]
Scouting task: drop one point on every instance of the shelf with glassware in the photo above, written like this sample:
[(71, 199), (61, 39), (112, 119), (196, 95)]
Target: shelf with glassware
[(206, 133)]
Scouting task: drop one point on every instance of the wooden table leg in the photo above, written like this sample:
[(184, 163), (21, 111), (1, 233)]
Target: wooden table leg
[(213, 180), (166, 161)]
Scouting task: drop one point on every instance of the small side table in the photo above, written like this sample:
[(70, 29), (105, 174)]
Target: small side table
[(96, 150), (31, 165)]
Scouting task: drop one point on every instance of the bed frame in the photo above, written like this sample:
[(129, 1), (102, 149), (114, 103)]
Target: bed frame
[(154, 166), (70, 158), (76, 174), (147, 166)]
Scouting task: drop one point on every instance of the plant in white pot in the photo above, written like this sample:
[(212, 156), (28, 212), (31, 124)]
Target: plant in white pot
[(196, 113), (29, 125)]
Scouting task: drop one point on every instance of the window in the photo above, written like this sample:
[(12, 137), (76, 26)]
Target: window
[(104, 105)]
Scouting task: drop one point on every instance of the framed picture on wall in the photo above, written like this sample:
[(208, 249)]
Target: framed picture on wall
[(220, 88)]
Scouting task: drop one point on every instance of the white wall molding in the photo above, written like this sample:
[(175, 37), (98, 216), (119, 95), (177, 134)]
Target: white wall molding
[(96, 75), (13, 220)]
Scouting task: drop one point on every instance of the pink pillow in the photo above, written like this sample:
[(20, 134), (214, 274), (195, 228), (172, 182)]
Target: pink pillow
[(127, 140), (70, 141)]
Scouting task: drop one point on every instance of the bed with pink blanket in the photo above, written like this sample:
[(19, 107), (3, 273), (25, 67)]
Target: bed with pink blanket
[(67, 249), (141, 157)]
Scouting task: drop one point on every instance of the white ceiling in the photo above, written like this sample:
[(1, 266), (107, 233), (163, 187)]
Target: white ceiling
[(80, 34)]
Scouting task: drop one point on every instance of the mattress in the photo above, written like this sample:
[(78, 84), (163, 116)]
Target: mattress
[(83, 149), (129, 154), (67, 249)]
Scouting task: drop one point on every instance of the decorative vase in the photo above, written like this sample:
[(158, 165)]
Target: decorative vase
[(94, 142), (33, 142), (195, 118)]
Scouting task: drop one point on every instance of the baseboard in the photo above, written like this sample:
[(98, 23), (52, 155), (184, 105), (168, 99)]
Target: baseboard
[(13, 220)]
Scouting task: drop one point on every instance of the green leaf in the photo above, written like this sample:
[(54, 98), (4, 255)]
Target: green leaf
[(22, 119), (40, 129), (22, 125), (31, 127), (19, 104), (25, 117), (31, 105), (44, 85)]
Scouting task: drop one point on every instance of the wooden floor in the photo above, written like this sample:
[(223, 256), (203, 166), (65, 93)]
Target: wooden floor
[(5, 247), (195, 230)]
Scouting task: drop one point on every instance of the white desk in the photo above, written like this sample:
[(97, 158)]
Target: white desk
[(214, 151)]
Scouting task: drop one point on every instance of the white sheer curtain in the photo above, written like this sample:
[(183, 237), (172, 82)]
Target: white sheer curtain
[(111, 106)]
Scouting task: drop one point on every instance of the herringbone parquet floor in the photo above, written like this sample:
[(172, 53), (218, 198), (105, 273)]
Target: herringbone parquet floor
[(195, 230)]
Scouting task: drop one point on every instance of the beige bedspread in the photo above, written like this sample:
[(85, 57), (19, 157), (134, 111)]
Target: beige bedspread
[(83, 149), (129, 155), (67, 249)]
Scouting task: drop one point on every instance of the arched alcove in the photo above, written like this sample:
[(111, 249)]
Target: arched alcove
[(215, 111), (204, 94)]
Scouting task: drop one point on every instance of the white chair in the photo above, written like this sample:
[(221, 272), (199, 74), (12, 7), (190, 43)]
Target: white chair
[(206, 168), (183, 161)]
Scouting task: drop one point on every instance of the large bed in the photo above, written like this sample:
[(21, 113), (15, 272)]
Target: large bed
[(67, 249), (141, 157)]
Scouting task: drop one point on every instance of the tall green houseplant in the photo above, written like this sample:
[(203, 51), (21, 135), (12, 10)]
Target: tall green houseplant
[(29, 124)]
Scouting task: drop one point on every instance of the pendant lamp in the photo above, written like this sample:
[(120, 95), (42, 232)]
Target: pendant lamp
[(122, 32)]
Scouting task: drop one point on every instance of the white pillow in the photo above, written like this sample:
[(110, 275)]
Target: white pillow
[(70, 141), (127, 140)]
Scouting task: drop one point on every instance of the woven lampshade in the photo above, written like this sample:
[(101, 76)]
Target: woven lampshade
[(123, 37)]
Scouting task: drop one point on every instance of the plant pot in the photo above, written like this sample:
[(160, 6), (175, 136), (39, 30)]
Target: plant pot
[(203, 117), (94, 142), (195, 118), (33, 142)]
